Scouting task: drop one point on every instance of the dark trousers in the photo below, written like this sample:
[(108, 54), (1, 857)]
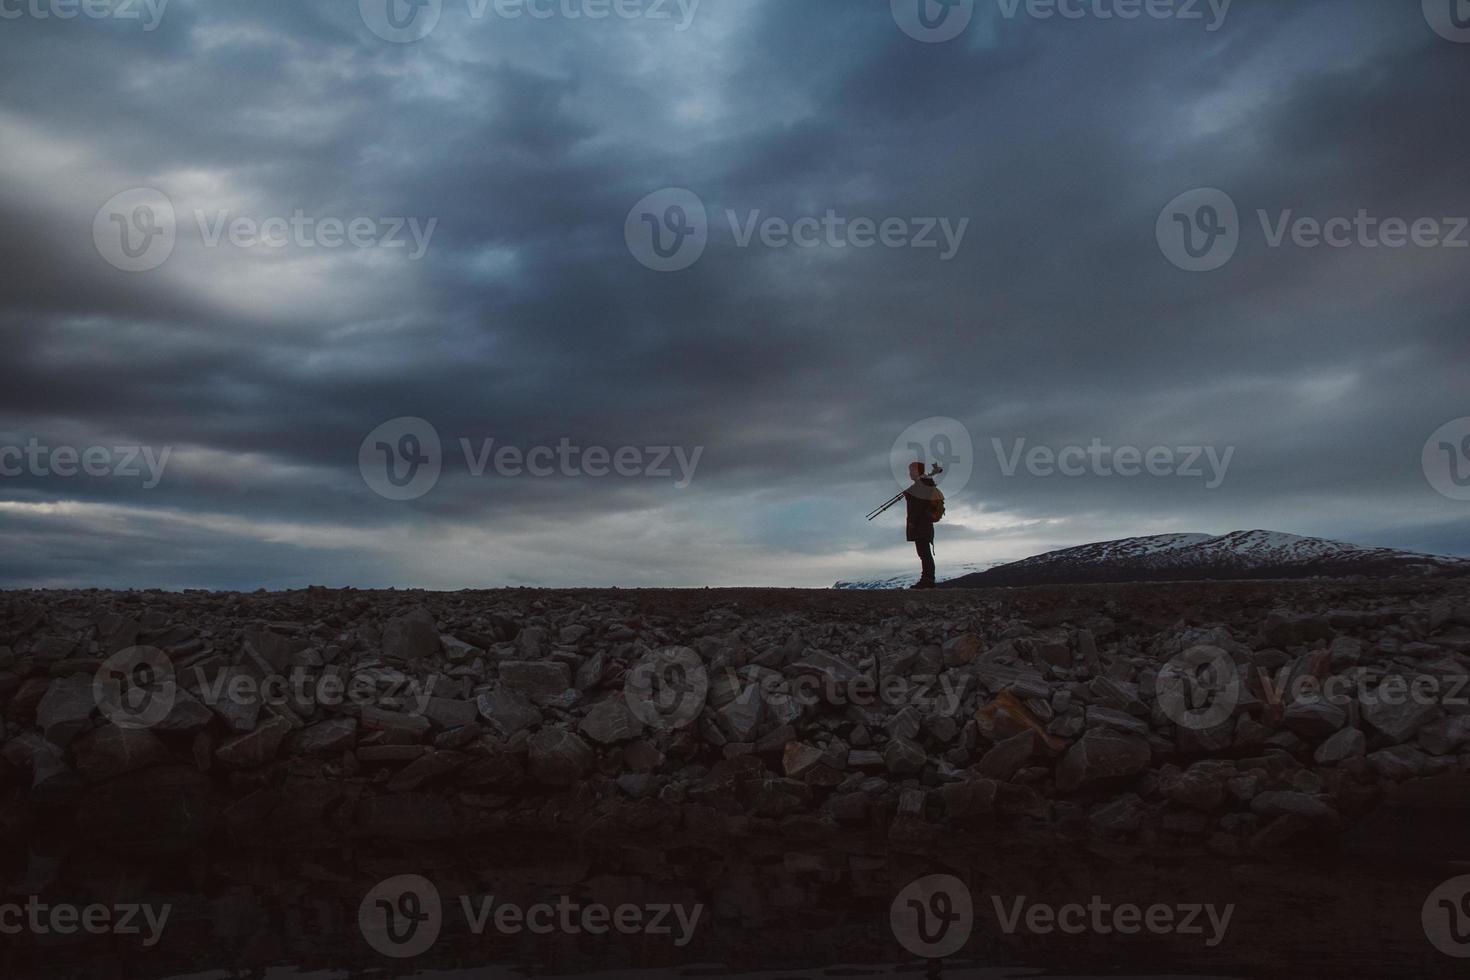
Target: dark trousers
[(926, 558)]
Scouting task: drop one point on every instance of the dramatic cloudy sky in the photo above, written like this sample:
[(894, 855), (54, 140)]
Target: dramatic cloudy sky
[(533, 316)]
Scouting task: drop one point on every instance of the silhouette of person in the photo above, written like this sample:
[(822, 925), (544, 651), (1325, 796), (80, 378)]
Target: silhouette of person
[(920, 524)]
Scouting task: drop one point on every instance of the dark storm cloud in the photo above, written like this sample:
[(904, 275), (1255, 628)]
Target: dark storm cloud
[(1058, 321)]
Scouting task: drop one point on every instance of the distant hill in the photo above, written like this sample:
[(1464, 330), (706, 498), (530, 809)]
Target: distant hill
[(1238, 555)]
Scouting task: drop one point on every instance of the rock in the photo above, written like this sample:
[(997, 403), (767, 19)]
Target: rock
[(411, 637), (904, 755), (1099, 715), (1402, 762), (270, 650), (188, 714), (112, 751), (428, 766), (1101, 754), (962, 650), (1445, 736), (66, 708), (1275, 803), (228, 696), (1199, 788), (1287, 629), (1315, 719), (572, 635), (386, 719), (905, 722), (1054, 651), (324, 738), (799, 758), (254, 748), (496, 767), (533, 642), (1121, 816), (1003, 759), (450, 712), (610, 721), (642, 756), (507, 711), (742, 716), (968, 798), (559, 758), (1394, 711), (457, 650), (535, 678), (1348, 743)]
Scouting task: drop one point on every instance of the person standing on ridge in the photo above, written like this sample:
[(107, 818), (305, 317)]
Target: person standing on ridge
[(925, 504)]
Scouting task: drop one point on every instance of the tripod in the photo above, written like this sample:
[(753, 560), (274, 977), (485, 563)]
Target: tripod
[(934, 471)]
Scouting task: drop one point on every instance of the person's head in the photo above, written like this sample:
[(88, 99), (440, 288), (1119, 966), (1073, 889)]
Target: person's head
[(916, 470)]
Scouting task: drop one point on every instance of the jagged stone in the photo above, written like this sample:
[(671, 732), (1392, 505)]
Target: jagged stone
[(904, 755), (558, 757), (799, 758), (535, 678), (610, 721), (324, 738), (256, 748), (1315, 719), (507, 711), (1101, 754), (111, 751), (1349, 743), (1395, 712), (1004, 758), (1275, 803), (66, 708), (411, 637)]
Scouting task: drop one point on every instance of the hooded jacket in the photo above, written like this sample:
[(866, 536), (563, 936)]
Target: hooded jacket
[(918, 525)]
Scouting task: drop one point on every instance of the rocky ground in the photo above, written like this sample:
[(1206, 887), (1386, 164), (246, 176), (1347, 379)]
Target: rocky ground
[(303, 719)]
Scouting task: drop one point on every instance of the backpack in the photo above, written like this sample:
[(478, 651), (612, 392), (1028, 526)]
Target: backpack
[(936, 505)]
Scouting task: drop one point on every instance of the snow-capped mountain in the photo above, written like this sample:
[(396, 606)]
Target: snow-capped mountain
[(904, 580), (1238, 555)]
